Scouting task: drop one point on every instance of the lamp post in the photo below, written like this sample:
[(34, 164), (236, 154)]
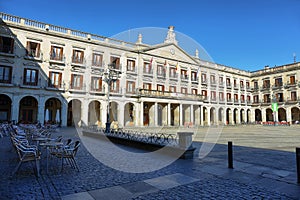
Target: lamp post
[(274, 106), (109, 76)]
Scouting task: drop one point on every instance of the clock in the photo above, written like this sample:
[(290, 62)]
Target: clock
[(172, 51)]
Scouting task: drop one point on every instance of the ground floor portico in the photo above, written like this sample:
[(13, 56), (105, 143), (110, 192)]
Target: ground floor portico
[(134, 112)]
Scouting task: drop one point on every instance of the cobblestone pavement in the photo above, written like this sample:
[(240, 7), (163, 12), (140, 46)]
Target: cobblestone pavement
[(257, 174)]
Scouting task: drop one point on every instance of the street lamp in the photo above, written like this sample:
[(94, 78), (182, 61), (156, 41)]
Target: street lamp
[(109, 76)]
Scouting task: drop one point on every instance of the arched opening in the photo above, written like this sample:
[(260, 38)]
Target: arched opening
[(295, 115), (220, 114), (52, 111), (162, 114), (74, 113), (5, 108), (248, 116), (242, 116), (281, 114), (228, 116), (129, 114), (113, 112), (235, 113), (205, 116), (175, 112), (258, 117), (212, 115), (269, 115), (94, 114), (28, 110)]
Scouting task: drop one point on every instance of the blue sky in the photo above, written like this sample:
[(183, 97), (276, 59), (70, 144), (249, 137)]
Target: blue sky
[(246, 34)]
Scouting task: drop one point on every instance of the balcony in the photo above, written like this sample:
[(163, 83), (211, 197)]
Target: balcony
[(236, 87), (77, 88), (161, 75), (32, 85), (265, 88), (293, 100), (147, 72), (204, 81), (277, 86), (194, 80), (170, 95), (131, 70), (221, 100), (57, 86), (57, 59), (236, 101), (221, 85), (6, 81), (291, 85), (34, 55), (173, 76), (228, 86), (184, 78), (97, 90), (229, 101), (78, 62), (242, 88)]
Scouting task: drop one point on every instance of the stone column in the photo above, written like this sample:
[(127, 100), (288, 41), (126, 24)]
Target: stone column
[(263, 115), (41, 110), (192, 114), (141, 114), (208, 117), (84, 112), (121, 114), (169, 114), (180, 115), (15, 106), (104, 113), (201, 116), (64, 113), (155, 114), (289, 115)]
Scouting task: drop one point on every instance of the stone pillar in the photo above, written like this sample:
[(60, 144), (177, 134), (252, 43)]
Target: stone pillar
[(238, 117), (121, 114), (185, 140), (224, 116), (84, 112), (141, 114), (180, 115), (169, 114), (201, 116), (155, 114), (15, 108), (41, 110), (263, 115), (64, 113), (192, 114), (289, 115), (104, 113), (208, 116), (232, 117), (252, 115)]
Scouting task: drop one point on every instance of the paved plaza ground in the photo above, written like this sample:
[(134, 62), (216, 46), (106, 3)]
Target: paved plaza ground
[(264, 168)]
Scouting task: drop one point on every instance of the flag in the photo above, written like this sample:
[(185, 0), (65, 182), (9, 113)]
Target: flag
[(177, 67), (151, 61)]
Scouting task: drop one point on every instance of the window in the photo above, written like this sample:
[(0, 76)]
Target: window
[(255, 98), (172, 89), (115, 61), (279, 97), (56, 53), (96, 84), (221, 80), (161, 88), (255, 85), (147, 86), (76, 81), (130, 88), (30, 77), (221, 96), (247, 85), (267, 98), (184, 74), (131, 65), (6, 45), (294, 96), (248, 98), (33, 49), (213, 79), (228, 97), (213, 95), (172, 72), (147, 68), (242, 84), (292, 80), (236, 99), (77, 56), (228, 82), (194, 76), (97, 59), (194, 91), (204, 93), (242, 98), (203, 78), (184, 90), (266, 84), (115, 85), (5, 74), (234, 83), (161, 70), (278, 82), (55, 79)]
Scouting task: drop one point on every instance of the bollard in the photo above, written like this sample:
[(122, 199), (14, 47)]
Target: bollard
[(230, 156), (298, 164)]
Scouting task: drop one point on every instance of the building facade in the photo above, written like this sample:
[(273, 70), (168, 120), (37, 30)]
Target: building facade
[(54, 74)]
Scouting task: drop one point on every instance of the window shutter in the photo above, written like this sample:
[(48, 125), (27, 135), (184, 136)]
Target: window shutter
[(118, 85), (72, 80), (12, 41), (27, 47), (59, 79), (61, 53), (24, 76), (38, 47), (81, 81), (81, 56), (36, 77)]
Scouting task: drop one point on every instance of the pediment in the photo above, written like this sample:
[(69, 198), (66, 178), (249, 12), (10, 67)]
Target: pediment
[(170, 51)]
